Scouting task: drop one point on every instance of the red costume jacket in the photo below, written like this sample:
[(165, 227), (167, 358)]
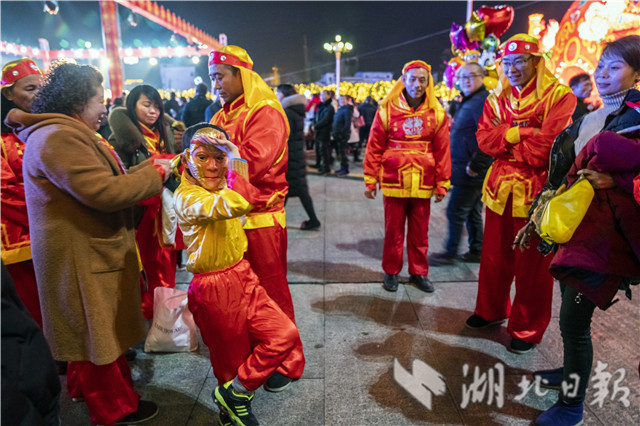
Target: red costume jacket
[(261, 134), (408, 151), (16, 245), (521, 143)]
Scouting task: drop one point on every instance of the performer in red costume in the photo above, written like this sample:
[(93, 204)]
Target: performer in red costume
[(408, 157), (21, 80), (248, 335), (519, 123), (257, 125)]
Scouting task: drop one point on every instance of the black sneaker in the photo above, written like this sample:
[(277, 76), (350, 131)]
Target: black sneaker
[(476, 321), (390, 282), (277, 382), (308, 225), (550, 379), (471, 257), (146, 411), (422, 282), (238, 406), (224, 419), (441, 259), (519, 346)]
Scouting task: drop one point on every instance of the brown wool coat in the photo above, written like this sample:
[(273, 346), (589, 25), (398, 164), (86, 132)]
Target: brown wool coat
[(83, 237)]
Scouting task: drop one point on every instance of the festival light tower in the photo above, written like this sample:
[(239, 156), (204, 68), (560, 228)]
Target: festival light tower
[(338, 47)]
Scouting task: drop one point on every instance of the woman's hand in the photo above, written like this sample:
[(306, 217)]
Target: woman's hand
[(598, 180), (165, 164), (523, 238)]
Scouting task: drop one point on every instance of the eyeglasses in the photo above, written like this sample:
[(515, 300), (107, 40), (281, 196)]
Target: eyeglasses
[(518, 63), (468, 77)]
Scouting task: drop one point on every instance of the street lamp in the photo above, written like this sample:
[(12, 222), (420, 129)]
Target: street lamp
[(338, 47)]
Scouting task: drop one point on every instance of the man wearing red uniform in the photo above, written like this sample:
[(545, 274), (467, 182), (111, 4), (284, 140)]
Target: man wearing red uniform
[(257, 125), (408, 158), (519, 123), (21, 80)]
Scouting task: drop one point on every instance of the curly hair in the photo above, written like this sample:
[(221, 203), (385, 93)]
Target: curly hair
[(67, 88)]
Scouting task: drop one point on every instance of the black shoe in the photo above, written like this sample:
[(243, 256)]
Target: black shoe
[(476, 321), (519, 346), (471, 257), (390, 282), (146, 411), (277, 382), (308, 225), (315, 166), (550, 379), (238, 406), (441, 259), (342, 172), (224, 419), (130, 354), (422, 282)]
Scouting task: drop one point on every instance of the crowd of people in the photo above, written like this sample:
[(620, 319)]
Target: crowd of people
[(98, 204)]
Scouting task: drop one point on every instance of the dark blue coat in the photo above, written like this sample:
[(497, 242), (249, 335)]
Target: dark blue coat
[(464, 145), (341, 129), (322, 120)]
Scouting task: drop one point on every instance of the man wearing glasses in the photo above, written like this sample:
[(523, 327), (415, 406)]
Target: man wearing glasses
[(468, 167), (518, 125)]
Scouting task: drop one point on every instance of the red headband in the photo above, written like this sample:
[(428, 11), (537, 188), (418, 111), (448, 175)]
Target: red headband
[(22, 69), (416, 64), (216, 57), (519, 46)]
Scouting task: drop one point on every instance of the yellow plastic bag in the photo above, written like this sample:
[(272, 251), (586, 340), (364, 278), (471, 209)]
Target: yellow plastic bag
[(564, 212)]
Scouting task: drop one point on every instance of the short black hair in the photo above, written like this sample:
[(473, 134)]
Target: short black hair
[(286, 89), (67, 88), (191, 130), (578, 78), (627, 48), (202, 89)]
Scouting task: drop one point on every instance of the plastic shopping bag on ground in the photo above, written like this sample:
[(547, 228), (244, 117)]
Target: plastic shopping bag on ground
[(173, 328)]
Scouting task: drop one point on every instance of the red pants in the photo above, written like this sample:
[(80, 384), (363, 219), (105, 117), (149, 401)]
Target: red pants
[(530, 313), (24, 278), (397, 211), (246, 332), (159, 263), (107, 389)]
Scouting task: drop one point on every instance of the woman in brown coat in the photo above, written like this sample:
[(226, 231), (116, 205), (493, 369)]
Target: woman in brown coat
[(80, 201)]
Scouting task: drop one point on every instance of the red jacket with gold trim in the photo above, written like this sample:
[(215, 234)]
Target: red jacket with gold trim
[(518, 129), (261, 134), (16, 245), (408, 152)]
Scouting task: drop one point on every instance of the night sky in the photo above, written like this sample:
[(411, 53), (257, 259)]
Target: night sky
[(273, 32)]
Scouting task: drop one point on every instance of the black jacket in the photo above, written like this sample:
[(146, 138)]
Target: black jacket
[(341, 128), (30, 384), (297, 172), (194, 110), (323, 119), (368, 112), (464, 145), (563, 153)]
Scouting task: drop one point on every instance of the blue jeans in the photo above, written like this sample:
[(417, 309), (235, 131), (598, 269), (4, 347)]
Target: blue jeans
[(465, 206)]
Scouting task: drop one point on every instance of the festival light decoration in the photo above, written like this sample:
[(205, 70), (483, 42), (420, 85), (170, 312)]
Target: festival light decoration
[(574, 45)]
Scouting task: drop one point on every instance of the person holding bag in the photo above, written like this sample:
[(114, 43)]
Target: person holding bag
[(602, 255)]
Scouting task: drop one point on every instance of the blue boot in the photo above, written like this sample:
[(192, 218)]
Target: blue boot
[(561, 414)]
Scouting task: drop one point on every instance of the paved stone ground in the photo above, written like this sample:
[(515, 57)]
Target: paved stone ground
[(356, 335)]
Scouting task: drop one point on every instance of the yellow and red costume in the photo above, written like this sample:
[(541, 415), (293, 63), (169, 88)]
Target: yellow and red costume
[(158, 261), (14, 222), (517, 128), (408, 157), (247, 333)]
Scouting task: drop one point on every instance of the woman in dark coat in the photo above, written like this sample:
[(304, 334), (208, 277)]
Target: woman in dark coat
[(140, 131), (604, 253), (293, 105)]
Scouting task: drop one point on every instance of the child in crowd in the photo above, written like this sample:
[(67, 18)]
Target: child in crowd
[(248, 335)]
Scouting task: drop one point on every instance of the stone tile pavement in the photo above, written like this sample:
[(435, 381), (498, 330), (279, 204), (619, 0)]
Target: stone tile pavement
[(358, 340)]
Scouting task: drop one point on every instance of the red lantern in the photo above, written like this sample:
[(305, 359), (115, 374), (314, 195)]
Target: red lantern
[(497, 19)]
